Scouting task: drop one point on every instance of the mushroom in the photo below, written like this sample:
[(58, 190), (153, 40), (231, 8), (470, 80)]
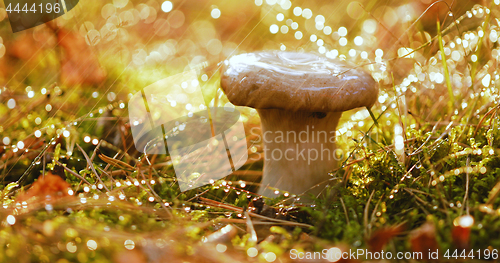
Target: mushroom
[(300, 98)]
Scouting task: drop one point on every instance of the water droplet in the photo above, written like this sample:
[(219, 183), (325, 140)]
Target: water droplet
[(93, 37)]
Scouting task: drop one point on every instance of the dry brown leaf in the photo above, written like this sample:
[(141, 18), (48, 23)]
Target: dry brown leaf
[(4, 68), (382, 236), (460, 236), (24, 47), (130, 256), (423, 239), (79, 64), (48, 185)]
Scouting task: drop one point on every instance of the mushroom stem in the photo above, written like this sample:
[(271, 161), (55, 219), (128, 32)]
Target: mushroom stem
[(299, 149)]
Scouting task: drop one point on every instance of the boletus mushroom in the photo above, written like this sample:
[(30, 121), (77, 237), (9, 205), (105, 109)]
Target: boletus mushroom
[(300, 98)]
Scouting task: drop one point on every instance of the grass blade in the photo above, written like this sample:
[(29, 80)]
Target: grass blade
[(451, 102)]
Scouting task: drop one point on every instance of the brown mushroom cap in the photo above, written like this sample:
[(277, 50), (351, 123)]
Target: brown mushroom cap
[(297, 82)]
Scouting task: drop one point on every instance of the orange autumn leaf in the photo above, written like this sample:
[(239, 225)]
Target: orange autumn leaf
[(4, 69), (423, 239), (79, 63), (130, 256), (24, 47), (382, 236), (48, 185), (460, 233), (460, 236)]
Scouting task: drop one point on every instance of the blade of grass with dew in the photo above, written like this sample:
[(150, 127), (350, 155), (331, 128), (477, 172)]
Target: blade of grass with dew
[(373, 117), (364, 137), (479, 45), (473, 73), (451, 102)]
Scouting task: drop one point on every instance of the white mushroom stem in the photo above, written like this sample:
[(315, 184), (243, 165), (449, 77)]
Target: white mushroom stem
[(299, 149)]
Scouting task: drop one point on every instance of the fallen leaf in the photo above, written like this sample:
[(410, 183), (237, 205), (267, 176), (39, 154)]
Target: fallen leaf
[(48, 185), (24, 47), (382, 236), (4, 68), (130, 256), (423, 239), (460, 232), (79, 64), (460, 236)]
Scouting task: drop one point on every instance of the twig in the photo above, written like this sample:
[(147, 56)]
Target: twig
[(483, 118), (249, 173), (466, 201), (109, 175), (95, 151), (72, 172), (239, 209), (420, 199), (365, 215), (115, 162), (374, 212), (92, 166), (255, 222), (197, 195), (156, 196), (345, 211)]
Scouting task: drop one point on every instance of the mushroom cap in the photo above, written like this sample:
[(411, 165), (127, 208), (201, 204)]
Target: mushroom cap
[(297, 82)]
